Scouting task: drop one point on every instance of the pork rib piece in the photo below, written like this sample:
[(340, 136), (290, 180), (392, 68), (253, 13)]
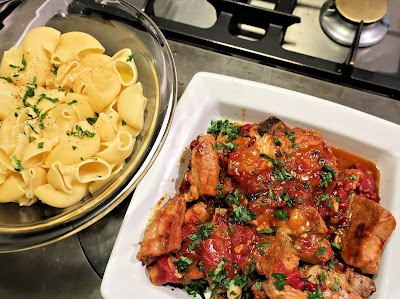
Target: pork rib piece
[(205, 166), (163, 235), (370, 226)]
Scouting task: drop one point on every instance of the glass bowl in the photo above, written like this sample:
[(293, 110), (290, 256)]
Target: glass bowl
[(117, 25)]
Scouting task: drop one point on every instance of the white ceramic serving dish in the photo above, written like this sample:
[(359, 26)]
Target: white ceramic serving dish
[(211, 96)]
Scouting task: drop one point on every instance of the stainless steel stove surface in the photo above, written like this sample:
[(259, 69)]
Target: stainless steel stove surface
[(73, 267)]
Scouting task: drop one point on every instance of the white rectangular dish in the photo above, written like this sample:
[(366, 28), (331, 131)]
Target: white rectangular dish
[(211, 96)]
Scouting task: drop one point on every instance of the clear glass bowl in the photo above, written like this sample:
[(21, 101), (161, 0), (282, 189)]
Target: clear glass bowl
[(117, 25)]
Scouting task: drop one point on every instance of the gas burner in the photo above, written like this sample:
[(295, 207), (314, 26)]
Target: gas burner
[(340, 22)]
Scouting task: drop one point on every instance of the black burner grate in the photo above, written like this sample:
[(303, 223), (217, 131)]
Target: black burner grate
[(268, 49)]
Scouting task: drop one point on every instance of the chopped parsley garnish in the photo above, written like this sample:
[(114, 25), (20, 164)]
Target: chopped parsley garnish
[(274, 162), (225, 128), (201, 266), (241, 280), (15, 114), (336, 245), (287, 176), (281, 280), (43, 96), (33, 129), (235, 266), (242, 215), (336, 287), (8, 79), (262, 246), (130, 57), (18, 163), (277, 141), (338, 199), (290, 200), (327, 176), (353, 177), (253, 265), (281, 174), (218, 186), (14, 66), (310, 230), (330, 264), (234, 199), (72, 102), (203, 234), (231, 228), (321, 251), (34, 82), (73, 148), (271, 193), (259, 286), (123, 123), (23, 63), (82, 159), (197, 287), (40, 145), (220, 273), (80, 133), (316, 294), (183, 263), (92, 120), (281, 215), (324, 197), (55, 69), (268, 231), (231, 146), (291, 137), (322, 277), (296, 145)]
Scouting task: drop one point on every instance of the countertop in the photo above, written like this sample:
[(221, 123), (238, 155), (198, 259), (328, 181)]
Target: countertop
[(73, 267)]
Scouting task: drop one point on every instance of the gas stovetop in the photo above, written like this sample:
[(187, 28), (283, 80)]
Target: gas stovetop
[(286, 33)]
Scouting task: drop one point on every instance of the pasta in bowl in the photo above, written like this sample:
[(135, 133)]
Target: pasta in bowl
[(70, 117), (83, 116)]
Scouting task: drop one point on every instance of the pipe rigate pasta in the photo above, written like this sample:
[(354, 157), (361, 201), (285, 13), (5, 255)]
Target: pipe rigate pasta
[(69, 117)]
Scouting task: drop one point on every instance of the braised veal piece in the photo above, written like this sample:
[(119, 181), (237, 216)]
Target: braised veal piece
[(269, 211)]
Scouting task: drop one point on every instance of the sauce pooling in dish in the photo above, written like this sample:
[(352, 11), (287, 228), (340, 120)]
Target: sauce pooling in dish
[(270, 211)]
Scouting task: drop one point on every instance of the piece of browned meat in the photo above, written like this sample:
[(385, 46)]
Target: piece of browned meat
[(271, 126), (258, 291), (313, 249), (369, 228), (277, 250), (312, 146), (205, 166), (163, 235), (287, 293), (335, 282), (362, 284)]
